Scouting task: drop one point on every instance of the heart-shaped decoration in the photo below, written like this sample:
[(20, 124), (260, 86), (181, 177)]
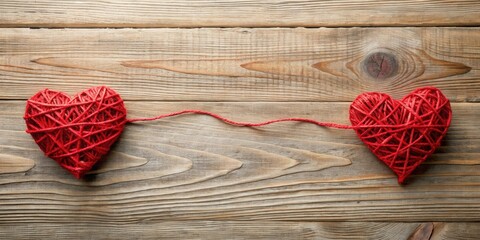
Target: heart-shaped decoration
[(76, 132), (403, 133)]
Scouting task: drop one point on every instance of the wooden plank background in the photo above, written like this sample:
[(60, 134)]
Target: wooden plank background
[(193, 177), (238, 13), (239, 64)]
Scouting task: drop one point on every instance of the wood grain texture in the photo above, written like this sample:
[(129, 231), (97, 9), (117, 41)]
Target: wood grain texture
[(193, 177), (197, 168), (240, 64), (245, 13), (239, 230), (13, 164), (423, 232)]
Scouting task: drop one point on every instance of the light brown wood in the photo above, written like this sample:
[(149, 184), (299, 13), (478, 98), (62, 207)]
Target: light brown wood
[(249, 13), (13, 164), (423, 232), (239, 230), (193, 177), (194, 167), (239, 64)]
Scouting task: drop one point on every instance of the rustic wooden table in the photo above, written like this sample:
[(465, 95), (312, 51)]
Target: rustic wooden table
[(194, 177)]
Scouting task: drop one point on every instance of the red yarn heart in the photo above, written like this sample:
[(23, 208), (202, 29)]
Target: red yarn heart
[(76, 132), (404, 133)]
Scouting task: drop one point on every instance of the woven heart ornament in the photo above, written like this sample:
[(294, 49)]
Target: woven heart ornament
[(404, 133), (77, 132)]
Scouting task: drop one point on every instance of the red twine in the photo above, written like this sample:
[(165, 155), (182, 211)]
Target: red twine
[(76, 132)]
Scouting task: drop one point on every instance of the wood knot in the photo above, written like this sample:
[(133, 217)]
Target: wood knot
[(380, 65)]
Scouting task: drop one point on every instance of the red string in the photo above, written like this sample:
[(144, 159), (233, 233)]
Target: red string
[(242, 124)]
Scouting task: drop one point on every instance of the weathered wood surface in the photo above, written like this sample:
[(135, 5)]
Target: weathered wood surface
[(248, 230), (193, 177), (198, 168), (248, 13), (242, 64)]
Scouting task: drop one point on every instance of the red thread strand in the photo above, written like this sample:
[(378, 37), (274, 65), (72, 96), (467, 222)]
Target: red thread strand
[(242, 124)]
